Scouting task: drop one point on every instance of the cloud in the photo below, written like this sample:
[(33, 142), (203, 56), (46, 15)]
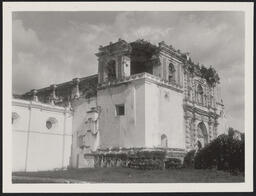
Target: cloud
[(59, 47), (24, 38)]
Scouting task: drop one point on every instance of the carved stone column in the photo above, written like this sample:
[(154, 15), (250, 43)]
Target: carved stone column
[(190, 133), (186, 86), (208, 97), (187, 131), (193, 132), (210, 127), (205, 100), (193, 91), (215, 129)]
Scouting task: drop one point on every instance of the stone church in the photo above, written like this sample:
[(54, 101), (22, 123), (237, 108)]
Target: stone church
[(144, 96)]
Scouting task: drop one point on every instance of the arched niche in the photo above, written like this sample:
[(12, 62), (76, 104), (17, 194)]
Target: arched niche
[(171, 72), (164, 141), (202, 135), (200, 94)]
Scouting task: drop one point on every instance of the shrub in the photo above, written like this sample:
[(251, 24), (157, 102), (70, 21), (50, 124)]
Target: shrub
[(223, 153), (134, 158), (189, 159), (151, 154), (147, 159), (173, 163), (142, 163)]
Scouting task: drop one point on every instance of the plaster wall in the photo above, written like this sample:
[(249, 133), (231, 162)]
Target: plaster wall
[(35, 147), (164, 115), (127, 130)]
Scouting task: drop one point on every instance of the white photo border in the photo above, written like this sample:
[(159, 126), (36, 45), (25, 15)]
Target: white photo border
[(9, 7)]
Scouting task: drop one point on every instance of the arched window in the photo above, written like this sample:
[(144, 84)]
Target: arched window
[(171, 72), (15, 116), (51, 123), (164, 141), (200, 94), (111, 70)]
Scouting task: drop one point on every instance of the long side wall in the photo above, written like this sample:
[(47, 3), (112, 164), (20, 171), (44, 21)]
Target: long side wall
[(127, 130), (35, 147), (164, 115)]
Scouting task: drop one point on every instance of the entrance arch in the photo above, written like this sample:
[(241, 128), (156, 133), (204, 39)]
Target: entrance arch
[(202, 134)]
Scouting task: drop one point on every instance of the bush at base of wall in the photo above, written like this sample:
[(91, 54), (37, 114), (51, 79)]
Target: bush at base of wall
[(223, 153), (132, 159), (173, 163), (189, 159)]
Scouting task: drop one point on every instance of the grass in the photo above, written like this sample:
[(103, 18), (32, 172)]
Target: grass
[(127, 175)]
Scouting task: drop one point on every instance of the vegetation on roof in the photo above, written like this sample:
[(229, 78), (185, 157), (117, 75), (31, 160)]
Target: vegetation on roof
[(144, 56), (145, 46), (143, 52), (209, 74)]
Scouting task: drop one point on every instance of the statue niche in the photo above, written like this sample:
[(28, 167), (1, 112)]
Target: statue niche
[(171, 75), (200, 94)]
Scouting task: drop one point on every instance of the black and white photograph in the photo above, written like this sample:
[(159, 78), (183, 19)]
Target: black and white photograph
[(130, 93)]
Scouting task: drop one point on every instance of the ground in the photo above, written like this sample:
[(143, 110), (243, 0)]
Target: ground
[(126, 175)]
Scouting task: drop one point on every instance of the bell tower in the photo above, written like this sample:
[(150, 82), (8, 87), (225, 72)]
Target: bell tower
[(114, 61)]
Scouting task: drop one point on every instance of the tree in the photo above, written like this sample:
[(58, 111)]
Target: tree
[(223, 153)]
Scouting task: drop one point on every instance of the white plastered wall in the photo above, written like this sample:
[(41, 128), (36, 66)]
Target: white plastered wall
[(164, 115), (35, 147), (127, 130)]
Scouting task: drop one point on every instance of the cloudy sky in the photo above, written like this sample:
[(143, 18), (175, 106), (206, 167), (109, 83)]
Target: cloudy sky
[(53, 47)]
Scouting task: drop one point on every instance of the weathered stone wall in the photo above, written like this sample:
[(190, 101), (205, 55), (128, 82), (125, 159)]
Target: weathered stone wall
[(139, 158), (205, 109), (81, 128), (167, 58)]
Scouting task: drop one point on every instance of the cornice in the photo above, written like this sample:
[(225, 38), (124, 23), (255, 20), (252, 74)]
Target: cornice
[(39, 105), (142, 76), (195, 109)]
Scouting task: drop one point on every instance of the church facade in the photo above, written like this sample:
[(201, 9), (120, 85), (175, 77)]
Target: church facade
[(144, 96)]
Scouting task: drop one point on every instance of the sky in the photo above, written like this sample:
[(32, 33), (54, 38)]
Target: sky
[(54, 47)]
